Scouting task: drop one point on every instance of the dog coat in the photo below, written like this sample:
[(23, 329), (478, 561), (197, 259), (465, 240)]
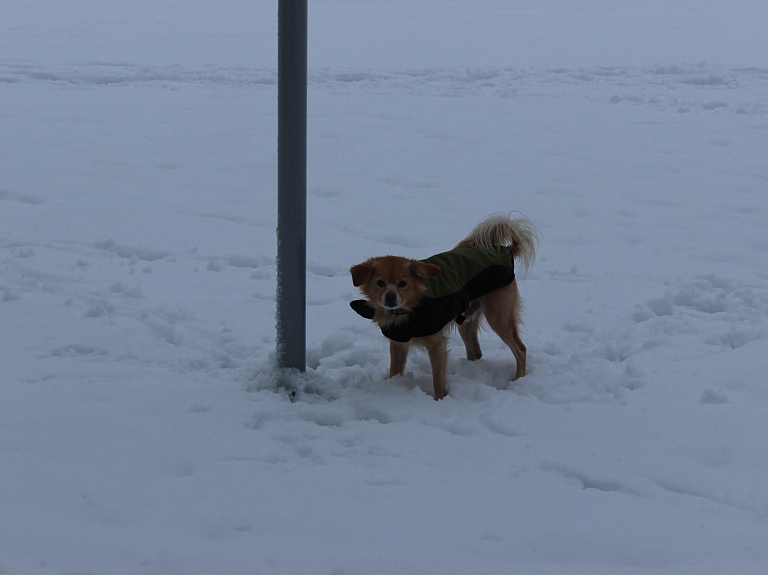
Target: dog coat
[(465, 275)]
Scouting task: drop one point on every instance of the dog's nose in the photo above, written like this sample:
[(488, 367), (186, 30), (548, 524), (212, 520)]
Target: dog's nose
[(390, 299)]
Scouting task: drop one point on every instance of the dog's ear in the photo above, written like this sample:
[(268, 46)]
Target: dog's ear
[(361, 272), (424, 271)]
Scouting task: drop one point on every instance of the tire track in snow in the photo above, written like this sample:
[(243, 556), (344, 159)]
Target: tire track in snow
[(679, 88)]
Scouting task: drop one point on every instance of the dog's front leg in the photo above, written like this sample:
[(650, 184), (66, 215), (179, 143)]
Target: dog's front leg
[(437, 348), (398, 356)]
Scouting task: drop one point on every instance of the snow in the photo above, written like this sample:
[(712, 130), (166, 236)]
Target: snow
[(140, 427)]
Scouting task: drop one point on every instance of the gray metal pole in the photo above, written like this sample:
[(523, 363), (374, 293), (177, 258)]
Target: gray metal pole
[(291, 183)]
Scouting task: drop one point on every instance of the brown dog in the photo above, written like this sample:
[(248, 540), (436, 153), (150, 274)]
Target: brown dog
[(418, 302)]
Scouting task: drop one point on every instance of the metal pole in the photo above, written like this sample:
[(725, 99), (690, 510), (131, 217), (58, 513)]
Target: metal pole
[(291, 183)]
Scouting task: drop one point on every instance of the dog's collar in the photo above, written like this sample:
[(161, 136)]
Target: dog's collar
[(398, 311), (365, 309)]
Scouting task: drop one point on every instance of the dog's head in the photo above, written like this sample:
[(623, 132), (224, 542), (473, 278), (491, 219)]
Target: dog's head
[(393, 283)]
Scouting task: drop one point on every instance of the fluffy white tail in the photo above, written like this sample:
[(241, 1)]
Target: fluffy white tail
[(519, 234)]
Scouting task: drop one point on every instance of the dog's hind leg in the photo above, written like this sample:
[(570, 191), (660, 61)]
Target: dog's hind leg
[(502, 311), (398, 356), (468, 332)]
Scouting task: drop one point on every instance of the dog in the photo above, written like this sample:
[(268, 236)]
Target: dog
[(418, 302)]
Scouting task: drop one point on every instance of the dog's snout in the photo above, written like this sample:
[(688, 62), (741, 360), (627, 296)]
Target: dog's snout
[(390, 299)]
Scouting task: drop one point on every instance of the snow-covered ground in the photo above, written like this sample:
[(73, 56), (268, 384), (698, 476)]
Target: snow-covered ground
[(140, 431)]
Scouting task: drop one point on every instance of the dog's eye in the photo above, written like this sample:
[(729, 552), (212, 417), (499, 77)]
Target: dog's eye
[(402, 284), (380, 283)]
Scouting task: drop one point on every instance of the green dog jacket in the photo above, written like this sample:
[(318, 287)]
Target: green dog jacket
[(465, 275)]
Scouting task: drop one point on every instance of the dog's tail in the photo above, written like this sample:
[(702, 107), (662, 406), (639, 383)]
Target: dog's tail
[(519, 234)]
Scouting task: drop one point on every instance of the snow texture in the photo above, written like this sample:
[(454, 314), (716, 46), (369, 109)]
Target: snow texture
[(141, 427)]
